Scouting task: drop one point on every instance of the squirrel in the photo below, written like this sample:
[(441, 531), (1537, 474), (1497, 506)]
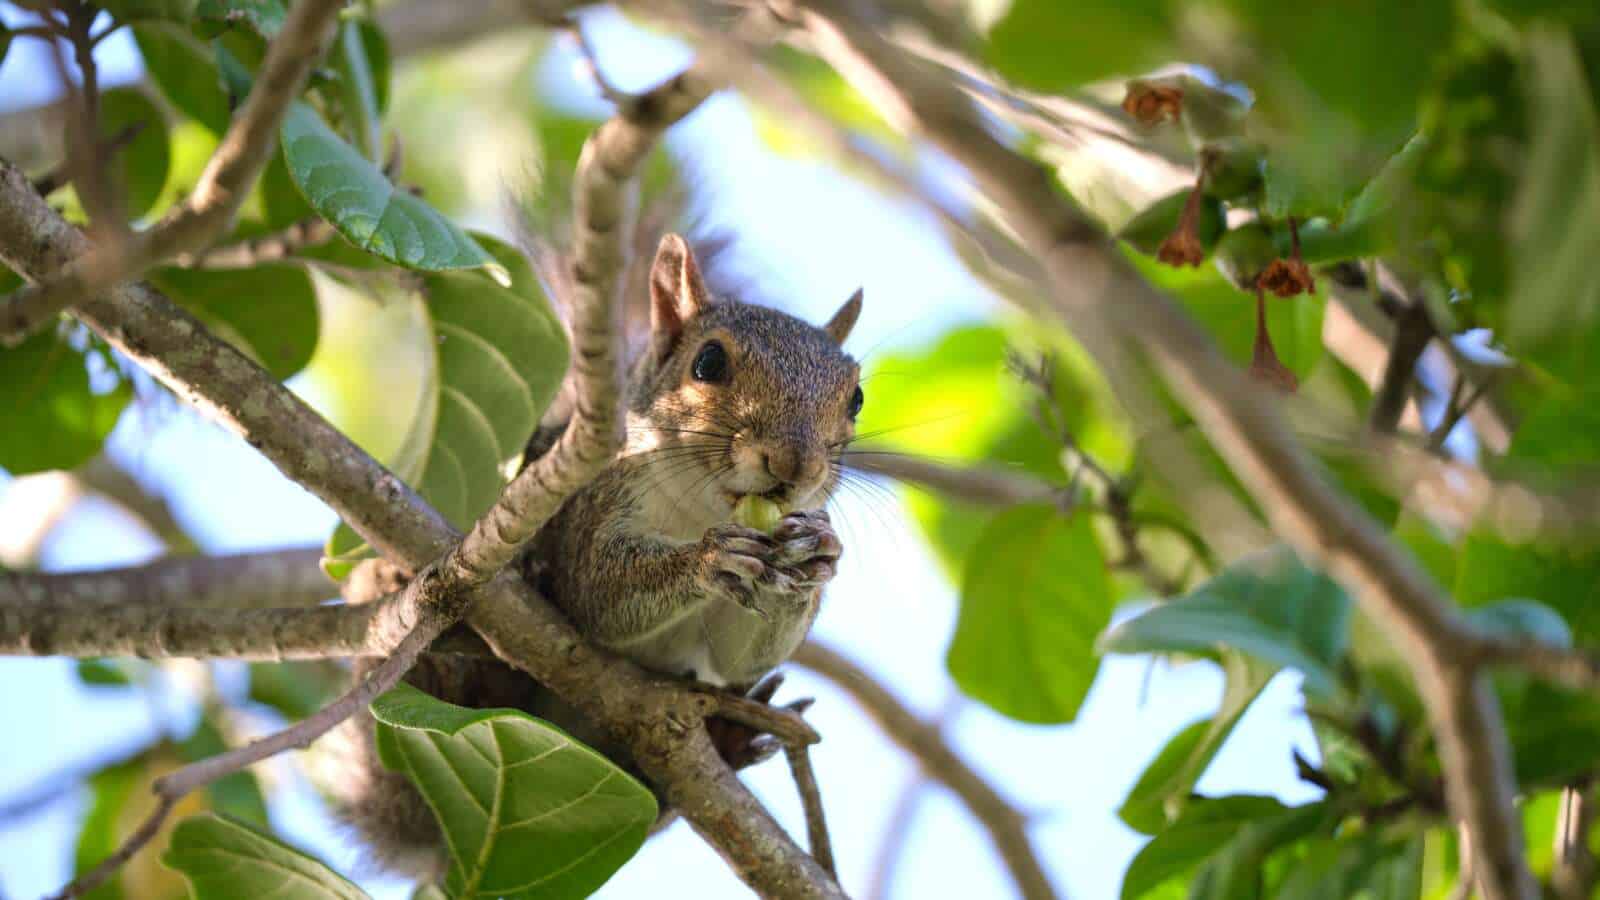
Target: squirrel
[(723, 399)]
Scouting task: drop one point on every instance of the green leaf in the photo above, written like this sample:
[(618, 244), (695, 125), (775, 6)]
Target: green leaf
[(1340, 869), (1205, 826), (1554, 291), (186, 72), (1043, 45), (103, 673), (129, 11), (141, 163), (269, 312), (1522, 619), (1234, 870), (376, 48), (237, 794), (350, 192), (1035, 598), (501, 356), (527, 811), (357, 90), (53, 420), (1149, 228), (1163, 789), (263, 17), (295, 689), (1270, 606), (225, 859)]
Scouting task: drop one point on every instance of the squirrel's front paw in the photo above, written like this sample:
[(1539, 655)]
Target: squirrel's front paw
[(735, 561), (807, 548)]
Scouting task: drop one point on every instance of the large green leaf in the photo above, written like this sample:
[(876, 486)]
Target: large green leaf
[(1235, 869), (129, 11), (1035, 598), (351, 192), (142, 162), (1206, 825), (186, 71), (53, 420), (1270, 606), (269, 312), (1338, 869), (1164, 788), (527, 811), (1049, 46), (1557, 211), (224, 859)]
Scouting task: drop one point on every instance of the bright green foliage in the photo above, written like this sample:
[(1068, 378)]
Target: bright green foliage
[(223, 859), (269, 312), (142, 161), (352, 193), (45, 390), (1042, 45), (1271, 607), (1034, 599), (186, 71), (1206, 826), (527, 811)]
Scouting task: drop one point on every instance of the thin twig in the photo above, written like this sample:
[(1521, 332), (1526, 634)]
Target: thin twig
[(215, 201), (1457, 409), (1006, 827), (267, 248), (1412, 333), (811, 801)]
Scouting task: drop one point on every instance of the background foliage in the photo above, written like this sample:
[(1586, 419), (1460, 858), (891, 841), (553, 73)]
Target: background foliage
[(1457, 145)]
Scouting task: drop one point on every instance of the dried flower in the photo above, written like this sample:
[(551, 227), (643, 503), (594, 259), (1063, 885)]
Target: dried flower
[(1150, 102), (1264, 363), (1288, 277), (1182, 247)]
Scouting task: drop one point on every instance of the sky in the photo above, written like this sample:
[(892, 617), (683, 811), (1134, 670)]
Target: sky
[(813, 236)]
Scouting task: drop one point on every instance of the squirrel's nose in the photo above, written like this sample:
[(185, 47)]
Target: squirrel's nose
[(793, 465)]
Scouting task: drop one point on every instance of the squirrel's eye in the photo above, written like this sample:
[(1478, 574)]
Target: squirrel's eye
[(711, 363), (856, 400)]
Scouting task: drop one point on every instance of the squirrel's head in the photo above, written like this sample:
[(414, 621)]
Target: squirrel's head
[(732, 398)]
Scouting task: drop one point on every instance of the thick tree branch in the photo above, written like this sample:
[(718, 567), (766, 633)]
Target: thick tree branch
[(216, 199), (153, 632), (1240, 421), (1006, 827), (281, 578)]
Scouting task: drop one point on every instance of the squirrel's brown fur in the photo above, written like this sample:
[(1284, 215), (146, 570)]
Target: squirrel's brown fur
[(644, 559)]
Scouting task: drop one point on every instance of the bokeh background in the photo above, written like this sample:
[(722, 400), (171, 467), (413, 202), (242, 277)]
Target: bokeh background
[(476, 125)]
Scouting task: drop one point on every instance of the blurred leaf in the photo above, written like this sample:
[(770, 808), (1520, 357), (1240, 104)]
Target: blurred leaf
[(1236, 868), (1042, 45), (269, 312), (122, 801), (1554, 291), (1522, 619), (6, 35), (1343, 868), (109, 790), (1554, 731), (1163, 789), (1205, 826), (1034, 600), (102, 673), (186, 72), (237, 794), (376, 48), (527, 811), (224, 859), (350, 192), (264, 17), (44, 391), (357, 90), (278, 204), (429, 892), (295, 689), (1271, 606), (142, 163), (129, 11)]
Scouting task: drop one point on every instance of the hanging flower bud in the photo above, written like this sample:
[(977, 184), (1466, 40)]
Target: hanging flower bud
[(1150, 102), (1264, 363), (1288, 277), (1183, 247)]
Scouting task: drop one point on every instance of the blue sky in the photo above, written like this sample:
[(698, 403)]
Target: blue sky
[(814, 236)]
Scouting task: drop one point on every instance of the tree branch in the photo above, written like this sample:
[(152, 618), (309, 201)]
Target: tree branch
[(153, 632), (216, 199), (281, 578), (1006, 827), (1413, 331), (1240, 421)]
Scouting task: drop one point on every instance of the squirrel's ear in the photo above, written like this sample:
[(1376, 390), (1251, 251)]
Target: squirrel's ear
[(677, 292), (839, 326)]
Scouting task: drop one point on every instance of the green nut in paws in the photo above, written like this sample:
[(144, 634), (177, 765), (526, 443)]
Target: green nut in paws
[(757, 512)]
